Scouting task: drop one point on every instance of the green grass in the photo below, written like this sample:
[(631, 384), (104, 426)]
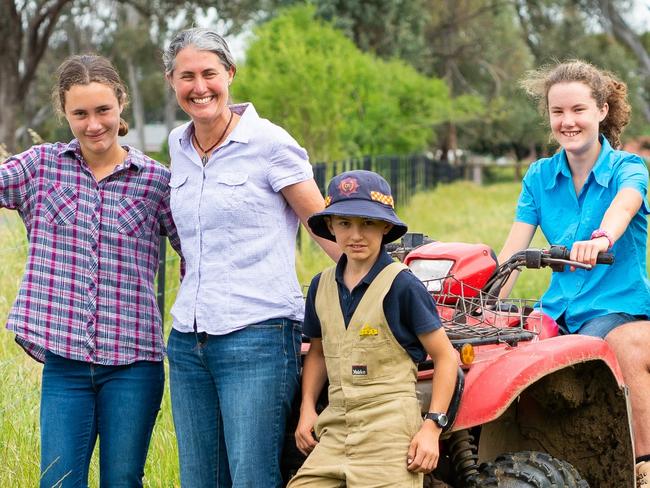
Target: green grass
[(20, 386), (456, 212)]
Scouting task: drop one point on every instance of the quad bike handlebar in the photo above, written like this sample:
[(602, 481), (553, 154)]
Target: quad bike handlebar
[(556, 258)]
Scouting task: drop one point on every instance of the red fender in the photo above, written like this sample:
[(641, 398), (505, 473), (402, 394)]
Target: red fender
[(500, 374)]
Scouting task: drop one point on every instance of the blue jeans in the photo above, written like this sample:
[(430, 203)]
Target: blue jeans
[(603, 325), (81, 401), (231, 395)]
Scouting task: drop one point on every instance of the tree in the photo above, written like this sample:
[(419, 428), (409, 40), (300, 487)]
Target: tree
[(26, 30), (592, 30), (474, 45), (613, 22), (31, 28), (387, 28), (483, 48), (338, 102)]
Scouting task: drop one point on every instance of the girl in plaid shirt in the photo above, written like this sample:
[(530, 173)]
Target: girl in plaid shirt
[(94, 212)]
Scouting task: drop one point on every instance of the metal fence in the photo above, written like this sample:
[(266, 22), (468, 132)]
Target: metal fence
[(406, 175)]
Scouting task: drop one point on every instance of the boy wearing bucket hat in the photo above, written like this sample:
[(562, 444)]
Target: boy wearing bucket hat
[(370, 322)]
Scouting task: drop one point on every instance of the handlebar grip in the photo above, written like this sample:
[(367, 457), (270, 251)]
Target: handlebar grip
[(561, 252), (605, 258), (391, 247)]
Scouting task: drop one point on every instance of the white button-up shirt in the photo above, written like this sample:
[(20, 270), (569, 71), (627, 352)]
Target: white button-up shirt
[(237, 231)]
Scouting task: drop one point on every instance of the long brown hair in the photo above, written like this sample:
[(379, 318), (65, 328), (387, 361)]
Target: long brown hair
[(85, 69), (605, 88)]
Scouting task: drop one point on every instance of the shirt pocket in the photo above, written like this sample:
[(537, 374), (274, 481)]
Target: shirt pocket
[(133, 217), (182, 203), (176, 182), (229, 190), (60, 205), (371, 360)]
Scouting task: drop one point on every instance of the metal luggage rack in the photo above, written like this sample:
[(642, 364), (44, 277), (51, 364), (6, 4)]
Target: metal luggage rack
[(471, 316)]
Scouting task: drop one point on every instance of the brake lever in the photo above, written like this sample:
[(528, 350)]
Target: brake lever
[(555, 264)]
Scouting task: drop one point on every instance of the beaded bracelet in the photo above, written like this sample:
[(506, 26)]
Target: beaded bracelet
[(603, 233)]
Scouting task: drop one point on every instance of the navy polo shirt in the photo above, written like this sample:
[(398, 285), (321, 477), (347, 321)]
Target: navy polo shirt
[(548, 200), (408, 306)]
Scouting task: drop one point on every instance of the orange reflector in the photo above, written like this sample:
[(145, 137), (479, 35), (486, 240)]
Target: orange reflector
[(467, 354)]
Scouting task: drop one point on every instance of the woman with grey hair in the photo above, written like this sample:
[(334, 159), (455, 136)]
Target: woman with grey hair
[(240, 186)]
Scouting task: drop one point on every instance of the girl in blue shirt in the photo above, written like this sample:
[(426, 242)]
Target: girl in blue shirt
[(591, 197)]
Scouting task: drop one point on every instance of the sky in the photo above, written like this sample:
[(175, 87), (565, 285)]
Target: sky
[(639, 15)]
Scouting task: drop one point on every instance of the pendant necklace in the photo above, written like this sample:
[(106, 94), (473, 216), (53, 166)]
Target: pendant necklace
[(204, 158)]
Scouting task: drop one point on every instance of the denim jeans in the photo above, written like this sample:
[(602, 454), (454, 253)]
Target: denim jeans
[(81, 401), (231, 395), (603, 325)]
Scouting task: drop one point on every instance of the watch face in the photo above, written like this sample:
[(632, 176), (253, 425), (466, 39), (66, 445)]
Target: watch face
[(439, 418)]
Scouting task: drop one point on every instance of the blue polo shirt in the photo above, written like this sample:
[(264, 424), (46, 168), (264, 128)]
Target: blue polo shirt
[(548, 200), (408, 306)]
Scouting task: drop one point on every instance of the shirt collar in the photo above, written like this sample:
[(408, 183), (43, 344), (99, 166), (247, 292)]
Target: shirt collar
[(383, 260), (602, 169), (134, 157), (242, 131)]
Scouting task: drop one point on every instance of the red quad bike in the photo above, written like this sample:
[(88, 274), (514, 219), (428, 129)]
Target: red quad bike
[(532, 408)]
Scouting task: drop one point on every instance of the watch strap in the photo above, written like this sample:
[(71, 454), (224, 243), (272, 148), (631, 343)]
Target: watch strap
[(440, 419)]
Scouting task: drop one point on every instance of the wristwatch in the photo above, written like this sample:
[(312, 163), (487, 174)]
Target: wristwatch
[(440, 419)]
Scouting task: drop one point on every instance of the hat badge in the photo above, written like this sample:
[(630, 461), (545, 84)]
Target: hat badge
[(348, 186)]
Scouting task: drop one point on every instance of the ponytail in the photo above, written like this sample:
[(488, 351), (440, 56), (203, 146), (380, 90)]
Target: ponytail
[(124, 128)]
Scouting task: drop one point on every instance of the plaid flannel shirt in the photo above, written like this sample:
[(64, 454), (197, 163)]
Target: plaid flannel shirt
[(88, 289)]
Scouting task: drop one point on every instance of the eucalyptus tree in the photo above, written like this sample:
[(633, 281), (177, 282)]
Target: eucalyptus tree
[(32, 28), (387, 28), (337, 100)]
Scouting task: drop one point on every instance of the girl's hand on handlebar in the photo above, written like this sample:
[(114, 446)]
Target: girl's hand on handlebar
[(587, 251)]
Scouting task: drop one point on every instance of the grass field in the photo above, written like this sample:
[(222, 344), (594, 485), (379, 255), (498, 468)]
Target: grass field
[(456, 212)]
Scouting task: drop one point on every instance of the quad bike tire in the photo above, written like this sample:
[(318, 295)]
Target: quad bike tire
[(528, 469)]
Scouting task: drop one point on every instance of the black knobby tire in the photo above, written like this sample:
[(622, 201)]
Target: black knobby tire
[(528, 469)]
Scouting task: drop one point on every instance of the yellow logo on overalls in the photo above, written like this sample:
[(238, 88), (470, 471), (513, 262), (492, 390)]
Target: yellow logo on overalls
[(368, 331)]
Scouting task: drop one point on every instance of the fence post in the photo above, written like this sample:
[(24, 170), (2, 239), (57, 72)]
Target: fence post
[(394, 180), (367, 163), (162, 265), (477, 173)]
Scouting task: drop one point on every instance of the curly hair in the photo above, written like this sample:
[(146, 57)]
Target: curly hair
[(605, 88), (85, 69)]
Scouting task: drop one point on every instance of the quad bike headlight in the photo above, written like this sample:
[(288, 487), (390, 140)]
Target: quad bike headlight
[(431, 272)]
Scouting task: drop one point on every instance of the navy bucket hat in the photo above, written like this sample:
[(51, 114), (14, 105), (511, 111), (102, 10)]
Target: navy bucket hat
[(358, 193)]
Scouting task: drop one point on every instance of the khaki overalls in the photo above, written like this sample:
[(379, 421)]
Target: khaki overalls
[(373, 412)]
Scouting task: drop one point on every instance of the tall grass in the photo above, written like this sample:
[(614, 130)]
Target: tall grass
[(20, 379), (456, 212)]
